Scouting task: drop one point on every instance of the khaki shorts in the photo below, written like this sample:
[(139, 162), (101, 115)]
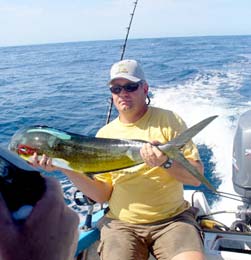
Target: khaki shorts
[(164, 239)]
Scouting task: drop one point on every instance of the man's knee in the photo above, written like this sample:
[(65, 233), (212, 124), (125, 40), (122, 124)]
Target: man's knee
[(123, 247)]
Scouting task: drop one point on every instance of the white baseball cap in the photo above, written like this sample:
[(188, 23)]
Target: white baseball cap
[(127, 69)]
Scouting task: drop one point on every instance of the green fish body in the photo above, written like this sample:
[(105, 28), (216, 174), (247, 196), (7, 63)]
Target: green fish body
[(97, 155), (76, 152)]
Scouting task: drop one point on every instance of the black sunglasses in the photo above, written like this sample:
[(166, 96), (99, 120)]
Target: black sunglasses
[(130, 87)]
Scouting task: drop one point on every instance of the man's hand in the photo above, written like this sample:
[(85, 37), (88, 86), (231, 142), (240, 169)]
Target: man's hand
[(50, 232), (151, 155), (45, 162)]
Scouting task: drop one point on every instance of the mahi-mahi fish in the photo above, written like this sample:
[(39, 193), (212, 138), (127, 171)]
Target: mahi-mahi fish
[(98, 155)]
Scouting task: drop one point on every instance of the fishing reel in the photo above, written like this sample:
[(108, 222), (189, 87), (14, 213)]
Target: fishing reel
[(82, 200)]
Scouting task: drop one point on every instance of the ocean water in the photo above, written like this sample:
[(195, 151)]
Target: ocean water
[(65, 86)]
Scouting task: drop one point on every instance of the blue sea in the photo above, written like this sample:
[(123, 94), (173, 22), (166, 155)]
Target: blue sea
[(65, 86)]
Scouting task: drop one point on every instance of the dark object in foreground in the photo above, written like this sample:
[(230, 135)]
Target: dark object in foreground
[(20, 184)]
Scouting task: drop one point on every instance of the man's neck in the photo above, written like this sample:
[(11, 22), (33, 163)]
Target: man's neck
[(127, 118)]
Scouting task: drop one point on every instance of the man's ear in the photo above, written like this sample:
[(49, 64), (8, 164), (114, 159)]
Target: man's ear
[(146, 88)]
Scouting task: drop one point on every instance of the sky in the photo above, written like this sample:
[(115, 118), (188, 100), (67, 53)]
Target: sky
[(24, 22)]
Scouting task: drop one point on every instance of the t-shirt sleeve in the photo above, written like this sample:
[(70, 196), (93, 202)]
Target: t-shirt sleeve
[(104, 177)]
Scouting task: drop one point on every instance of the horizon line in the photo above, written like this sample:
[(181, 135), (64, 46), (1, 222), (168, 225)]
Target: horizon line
[(135, 38)]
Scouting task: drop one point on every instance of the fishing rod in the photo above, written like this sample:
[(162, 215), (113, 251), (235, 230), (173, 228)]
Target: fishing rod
[(128, 30), (122, 56)]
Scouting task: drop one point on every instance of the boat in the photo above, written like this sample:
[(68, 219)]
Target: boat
[(221, 240)]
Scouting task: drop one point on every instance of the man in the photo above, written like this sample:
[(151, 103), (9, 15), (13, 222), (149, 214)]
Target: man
[(147, 212), (50, 232)]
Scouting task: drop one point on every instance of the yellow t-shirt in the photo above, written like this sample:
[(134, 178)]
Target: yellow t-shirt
[(142, 194)]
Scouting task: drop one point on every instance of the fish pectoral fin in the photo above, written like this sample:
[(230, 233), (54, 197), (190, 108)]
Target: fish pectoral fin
[(61, 163), (175, 154)]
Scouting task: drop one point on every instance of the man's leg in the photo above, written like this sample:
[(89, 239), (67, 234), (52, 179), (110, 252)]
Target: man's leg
[(191, 255), (120, 242), (178, 241)]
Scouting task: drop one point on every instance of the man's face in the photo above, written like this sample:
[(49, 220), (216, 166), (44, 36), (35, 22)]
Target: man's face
[(129, 102)]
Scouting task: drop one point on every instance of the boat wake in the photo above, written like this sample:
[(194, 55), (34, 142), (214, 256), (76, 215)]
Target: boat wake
[(212, 92)]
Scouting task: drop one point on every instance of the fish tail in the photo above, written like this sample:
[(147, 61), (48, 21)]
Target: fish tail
[(175, 154)]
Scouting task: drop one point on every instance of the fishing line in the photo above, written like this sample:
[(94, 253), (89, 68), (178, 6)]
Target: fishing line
[(217, 212), (231, 196), (122, 56), (240, 199)]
